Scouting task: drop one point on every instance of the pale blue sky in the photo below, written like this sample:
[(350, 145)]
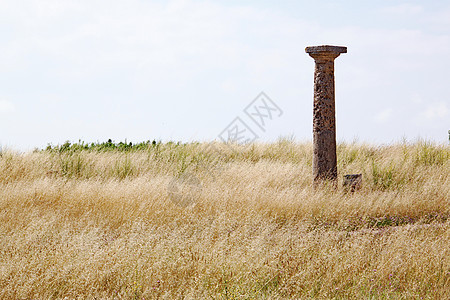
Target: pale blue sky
[(184, 69)]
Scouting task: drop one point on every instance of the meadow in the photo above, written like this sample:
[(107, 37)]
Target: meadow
[(217, 221)]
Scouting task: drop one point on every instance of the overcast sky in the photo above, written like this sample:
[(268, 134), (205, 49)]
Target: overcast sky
[(183, 70)]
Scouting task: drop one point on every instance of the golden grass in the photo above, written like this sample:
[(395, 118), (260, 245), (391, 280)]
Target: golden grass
[(86, 224)]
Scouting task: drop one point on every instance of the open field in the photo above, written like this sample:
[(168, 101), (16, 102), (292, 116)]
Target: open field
[(101, 223)]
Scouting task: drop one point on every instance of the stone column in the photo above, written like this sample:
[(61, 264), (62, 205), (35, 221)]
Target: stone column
[(324, 116)]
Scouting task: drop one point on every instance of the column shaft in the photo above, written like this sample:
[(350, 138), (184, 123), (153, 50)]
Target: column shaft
[(324, 122)]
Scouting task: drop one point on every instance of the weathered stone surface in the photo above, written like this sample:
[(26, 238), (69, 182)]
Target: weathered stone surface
[(352, 182), (324, 115)]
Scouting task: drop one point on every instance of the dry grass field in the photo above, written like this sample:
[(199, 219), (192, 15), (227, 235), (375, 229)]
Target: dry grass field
[(216, 221)]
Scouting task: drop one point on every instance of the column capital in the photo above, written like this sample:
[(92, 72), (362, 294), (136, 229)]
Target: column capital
[(325, 52)]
